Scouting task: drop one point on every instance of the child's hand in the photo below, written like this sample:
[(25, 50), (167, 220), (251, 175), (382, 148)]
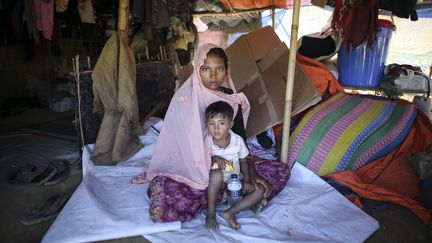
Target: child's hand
[(229, 166), (218, 162), (247, 187)]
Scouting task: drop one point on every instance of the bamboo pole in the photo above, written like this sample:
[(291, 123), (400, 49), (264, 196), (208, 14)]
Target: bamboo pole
[(273, 17), (290, 81), (123, 13)]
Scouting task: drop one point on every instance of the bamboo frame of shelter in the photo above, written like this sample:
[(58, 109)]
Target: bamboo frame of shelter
[(123, 26)]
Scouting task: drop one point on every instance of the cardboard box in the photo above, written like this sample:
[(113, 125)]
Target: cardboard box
[(259, 63), (319, 3)]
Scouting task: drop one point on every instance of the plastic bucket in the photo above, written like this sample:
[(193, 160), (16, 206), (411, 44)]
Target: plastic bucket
[(363, 66)]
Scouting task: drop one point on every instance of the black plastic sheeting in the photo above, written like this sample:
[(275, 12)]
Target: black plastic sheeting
[(154, 81), (20, 148)]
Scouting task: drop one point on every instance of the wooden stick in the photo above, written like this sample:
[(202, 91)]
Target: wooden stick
[(164, 53), (290, 81), (88, 62), (75, 62)]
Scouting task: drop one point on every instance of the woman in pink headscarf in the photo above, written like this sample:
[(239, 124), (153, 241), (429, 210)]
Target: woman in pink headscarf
[(180, 167)]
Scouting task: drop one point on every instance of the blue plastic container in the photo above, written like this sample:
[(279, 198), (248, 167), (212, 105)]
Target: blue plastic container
[(363, 66)]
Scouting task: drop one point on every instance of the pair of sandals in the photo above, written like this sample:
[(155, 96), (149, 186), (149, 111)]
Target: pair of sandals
[(47, 175)]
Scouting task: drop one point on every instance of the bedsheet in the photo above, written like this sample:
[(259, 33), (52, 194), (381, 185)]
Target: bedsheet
[(105, 206)]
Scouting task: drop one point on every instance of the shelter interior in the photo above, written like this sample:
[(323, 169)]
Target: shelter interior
[(47, 94)]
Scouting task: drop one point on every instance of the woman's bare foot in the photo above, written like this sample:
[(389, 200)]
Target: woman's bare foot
[(211, 223), (231, 219)]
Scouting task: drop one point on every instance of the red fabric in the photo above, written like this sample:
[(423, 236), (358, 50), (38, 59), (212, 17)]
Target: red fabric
[(391, 178), (320, 76), (357, 20)]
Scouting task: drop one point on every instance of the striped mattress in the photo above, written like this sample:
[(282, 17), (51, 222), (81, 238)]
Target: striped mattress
[(347, 131)]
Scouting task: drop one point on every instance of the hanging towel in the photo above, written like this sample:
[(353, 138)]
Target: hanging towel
[(114, 89)]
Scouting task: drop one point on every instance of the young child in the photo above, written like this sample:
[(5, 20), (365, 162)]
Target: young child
[(229, 154)]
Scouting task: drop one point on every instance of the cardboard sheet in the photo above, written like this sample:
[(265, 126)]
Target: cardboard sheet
[(259, 63)]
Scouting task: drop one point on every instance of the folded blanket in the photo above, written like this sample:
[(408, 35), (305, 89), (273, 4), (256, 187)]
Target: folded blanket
[(348, 131)]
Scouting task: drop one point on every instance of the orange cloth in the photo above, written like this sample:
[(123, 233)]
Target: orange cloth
[(320, 76), (391, 178)]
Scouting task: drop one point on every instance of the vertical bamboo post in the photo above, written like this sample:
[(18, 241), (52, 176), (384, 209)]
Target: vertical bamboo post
[(123, 13), (290, 81), (273, 17)]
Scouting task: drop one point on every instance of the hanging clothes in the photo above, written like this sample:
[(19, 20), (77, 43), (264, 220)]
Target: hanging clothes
[(61, 5), (11, 26), (29, 16), (356, 20), (114, 89), (401, 8), (86, 12), (44, 10), (160, 16)]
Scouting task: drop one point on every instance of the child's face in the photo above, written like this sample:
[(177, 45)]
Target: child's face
[(213, 72), (219, 126)]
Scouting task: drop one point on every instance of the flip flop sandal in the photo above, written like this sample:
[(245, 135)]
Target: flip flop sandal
[(49, 209), (33, 174), (62, 172)]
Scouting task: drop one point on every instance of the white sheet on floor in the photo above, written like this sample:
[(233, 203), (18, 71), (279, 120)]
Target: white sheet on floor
[(307, 210), (105, 206)]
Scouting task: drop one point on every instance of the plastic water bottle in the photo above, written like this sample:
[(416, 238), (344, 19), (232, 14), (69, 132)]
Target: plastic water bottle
[(234, 190)]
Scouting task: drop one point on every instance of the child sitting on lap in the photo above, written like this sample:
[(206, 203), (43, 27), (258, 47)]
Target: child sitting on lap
[(229, 154)]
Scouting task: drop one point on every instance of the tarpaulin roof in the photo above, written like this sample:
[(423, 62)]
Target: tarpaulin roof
[(256, 4), (230, 6)]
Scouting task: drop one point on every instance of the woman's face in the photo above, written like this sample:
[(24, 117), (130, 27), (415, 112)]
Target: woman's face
[(213, 72)]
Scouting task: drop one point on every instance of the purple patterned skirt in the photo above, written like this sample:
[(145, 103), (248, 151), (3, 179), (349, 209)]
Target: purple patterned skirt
[(174, 201)]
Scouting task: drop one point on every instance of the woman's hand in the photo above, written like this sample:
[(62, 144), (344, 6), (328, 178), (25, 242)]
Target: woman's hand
[(247, 187), (256, 180)]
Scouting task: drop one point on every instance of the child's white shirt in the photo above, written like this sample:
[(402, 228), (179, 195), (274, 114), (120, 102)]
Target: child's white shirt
[(235, 151)]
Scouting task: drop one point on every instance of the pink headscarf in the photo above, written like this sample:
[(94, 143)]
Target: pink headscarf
[(182, 151)]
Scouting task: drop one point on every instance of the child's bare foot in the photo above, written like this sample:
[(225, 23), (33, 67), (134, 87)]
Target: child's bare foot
[(231, 219), (211, 223)]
